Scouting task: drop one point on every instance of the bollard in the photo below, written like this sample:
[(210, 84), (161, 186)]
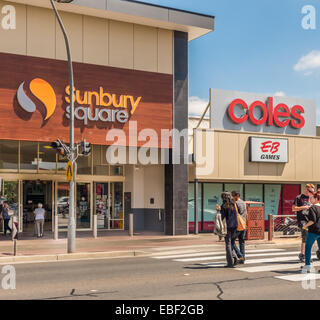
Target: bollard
[(15, 247), (131, 224), (56, 227), (95, 226), (270, 227)]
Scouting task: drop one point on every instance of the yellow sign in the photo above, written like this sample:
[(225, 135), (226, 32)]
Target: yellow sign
[(69, 171)]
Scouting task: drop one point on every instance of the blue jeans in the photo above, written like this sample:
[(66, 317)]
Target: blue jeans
[(241, 236), (311, 238)]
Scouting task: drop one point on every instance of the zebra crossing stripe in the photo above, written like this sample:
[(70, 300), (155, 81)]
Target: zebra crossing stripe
[(300, 277), (188, 247), (276, 267), (247, 256), (204, 253), (257, 261)]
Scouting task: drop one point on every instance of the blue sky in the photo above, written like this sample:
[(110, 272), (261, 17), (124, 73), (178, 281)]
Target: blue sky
[(255, 47)]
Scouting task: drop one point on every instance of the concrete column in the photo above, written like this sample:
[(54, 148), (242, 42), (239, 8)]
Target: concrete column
[(95, 226), (56, 227), (176, 175), (131, 224), (196, 206)]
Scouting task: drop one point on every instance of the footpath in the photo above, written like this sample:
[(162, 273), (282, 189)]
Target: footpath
[(112, 245)]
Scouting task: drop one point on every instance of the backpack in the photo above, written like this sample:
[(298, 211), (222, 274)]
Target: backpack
[(220, 226)]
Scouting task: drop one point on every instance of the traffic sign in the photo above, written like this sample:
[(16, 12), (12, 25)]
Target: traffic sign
[(69, 171)]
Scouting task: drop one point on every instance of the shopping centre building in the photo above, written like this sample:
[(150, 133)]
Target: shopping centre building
[(263, 146), (131, 68)]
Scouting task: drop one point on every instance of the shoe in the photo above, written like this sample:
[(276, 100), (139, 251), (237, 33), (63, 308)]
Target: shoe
[(235, 261), (228, 266), (241, 260), (301, 257), (318, 254), (306, 269)]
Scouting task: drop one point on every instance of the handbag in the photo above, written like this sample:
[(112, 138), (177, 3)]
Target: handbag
[(242, 224)]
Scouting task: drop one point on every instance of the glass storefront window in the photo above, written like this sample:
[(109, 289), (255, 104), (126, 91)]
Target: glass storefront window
[(83, 206), (211, 197), (254, 192), (272, 197), (102, 194), (28, 155), (191, 206), (99, 168), (10, 194), (116, 170), (47, 157), (63, 204), (9, 151), (234, 187), (116, 206), (62, 163), (84, 164)]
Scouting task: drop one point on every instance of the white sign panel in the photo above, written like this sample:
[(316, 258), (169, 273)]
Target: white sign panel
[(268, 150)]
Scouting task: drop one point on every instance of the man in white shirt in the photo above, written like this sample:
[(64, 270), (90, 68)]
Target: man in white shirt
[(39, 219)]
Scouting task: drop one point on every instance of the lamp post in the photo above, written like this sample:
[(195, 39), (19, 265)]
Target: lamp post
[(71, 227)]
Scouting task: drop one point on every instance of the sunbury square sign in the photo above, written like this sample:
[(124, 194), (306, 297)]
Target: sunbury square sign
[(35, 101)]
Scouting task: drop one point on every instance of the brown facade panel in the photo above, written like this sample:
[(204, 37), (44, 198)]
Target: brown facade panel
[(151, 94)]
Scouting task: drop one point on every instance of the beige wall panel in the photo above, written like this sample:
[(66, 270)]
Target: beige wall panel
[(154, 186), (120, 44), (316, 160), (145, 48), (165, 51), (95, 40), (287, 171), (246, 169), (14, 41), (267, 170), (304, 164), (40, 32), (74, 27), (216, 164), (228, 155)]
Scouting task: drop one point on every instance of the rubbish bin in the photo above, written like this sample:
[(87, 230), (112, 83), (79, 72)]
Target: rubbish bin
[(255, 220)]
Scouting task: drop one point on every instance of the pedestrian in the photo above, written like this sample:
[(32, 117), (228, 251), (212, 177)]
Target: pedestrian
[(301, 206), (242, 208), (39, 215), (229, 212), (313, 228), (6, 218)]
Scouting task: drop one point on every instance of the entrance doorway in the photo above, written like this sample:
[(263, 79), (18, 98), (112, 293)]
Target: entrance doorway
[(109, 205), (35, 192)]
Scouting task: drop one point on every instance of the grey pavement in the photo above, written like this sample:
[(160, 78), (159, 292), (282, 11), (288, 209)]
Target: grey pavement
[(164, 276)]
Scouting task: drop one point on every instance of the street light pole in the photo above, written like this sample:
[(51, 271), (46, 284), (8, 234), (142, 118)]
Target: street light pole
[(71, 227)]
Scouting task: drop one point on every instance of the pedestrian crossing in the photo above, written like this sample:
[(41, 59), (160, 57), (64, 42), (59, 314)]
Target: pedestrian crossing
[(257, 260)]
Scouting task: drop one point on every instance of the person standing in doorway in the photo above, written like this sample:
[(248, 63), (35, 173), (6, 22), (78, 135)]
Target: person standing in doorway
[(301, 206), (242, 208), (6, 218), (228, 212), (39, 214)]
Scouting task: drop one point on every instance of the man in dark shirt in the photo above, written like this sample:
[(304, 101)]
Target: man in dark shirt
[(242, 208), (301, 206)]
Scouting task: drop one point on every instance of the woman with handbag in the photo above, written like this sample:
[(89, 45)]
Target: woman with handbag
[(229, 212)]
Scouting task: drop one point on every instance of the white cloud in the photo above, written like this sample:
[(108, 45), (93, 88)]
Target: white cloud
[(309, 62), (279, 94), (197, 106)]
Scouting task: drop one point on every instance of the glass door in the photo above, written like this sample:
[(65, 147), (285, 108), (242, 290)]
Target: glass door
[(62, 208), (10, 193), (83, 212), (109, 205), (116, 206)]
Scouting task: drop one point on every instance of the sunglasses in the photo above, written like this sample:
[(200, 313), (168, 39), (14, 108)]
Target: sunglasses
[(310, 191)]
